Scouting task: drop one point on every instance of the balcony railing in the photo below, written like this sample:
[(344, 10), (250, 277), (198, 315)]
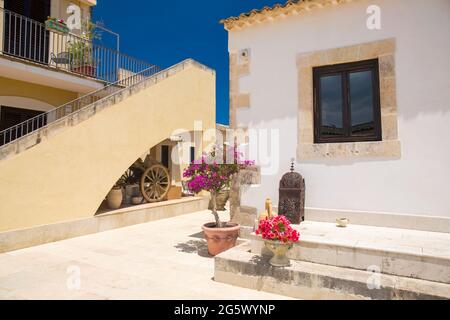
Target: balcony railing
[(28, 39)]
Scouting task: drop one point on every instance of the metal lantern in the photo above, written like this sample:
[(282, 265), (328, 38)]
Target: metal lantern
[(292, 196)]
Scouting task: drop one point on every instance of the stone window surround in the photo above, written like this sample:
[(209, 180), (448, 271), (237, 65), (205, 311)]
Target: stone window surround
[(389, 147)]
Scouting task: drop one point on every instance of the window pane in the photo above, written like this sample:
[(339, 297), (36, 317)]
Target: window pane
[(331, 106), (361, 103)]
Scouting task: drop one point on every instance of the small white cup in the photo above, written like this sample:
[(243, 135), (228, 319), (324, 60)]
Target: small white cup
[(342, 222)]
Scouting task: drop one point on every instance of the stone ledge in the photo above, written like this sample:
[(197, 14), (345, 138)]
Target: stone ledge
[(315, 281), (363, 51), (19, 239), (384, 149), (381, 219)]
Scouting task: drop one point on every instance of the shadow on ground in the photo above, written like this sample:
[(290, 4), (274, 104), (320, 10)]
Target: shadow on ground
[(194, 246), (197, 235)]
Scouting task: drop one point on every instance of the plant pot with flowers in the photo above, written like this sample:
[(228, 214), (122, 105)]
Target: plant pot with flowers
[(214, 173), (278, 237), (58, 26)]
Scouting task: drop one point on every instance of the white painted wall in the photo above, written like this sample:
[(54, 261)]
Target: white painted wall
[(419, 182)]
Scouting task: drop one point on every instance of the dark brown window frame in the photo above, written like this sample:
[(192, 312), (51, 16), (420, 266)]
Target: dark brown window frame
[(344, 69)]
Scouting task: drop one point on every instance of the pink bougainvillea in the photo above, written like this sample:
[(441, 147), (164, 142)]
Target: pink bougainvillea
[(279, 229), (214, 172)]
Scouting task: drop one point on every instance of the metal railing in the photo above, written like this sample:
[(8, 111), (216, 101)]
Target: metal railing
[(13, 133), (30, 40)]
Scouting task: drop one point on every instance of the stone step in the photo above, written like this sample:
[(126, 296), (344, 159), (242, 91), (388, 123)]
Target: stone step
[(363, 249), (305, 280)]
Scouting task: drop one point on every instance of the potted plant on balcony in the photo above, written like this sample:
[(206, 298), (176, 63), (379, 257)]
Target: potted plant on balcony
[(56, 25), (214, 173), (279, 237), (81, 50)]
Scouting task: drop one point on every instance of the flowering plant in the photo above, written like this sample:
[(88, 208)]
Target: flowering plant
[(278, 229), (56, 25), (214, 172)]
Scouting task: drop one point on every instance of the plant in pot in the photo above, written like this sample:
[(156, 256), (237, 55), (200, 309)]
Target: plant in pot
[(279, 237), (58, 26), (81, 50), (214, 173)]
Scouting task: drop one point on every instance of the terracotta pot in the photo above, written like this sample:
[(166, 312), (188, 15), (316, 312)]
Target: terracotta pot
[(87, 70), (114, 198), (220, 239), (279, 250)]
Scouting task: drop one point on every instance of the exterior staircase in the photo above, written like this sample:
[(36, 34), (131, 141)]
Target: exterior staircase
[(60, 165), (29, 126)]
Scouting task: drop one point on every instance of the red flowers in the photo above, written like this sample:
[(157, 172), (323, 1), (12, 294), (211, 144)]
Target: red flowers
[(277, 228)]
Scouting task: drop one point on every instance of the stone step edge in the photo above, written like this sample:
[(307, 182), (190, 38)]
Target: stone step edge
[(254, 237), (387, 262), (343, 281)]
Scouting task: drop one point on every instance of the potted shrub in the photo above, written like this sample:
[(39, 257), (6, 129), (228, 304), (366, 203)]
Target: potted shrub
[(278, 237), (214, 173), (82, 52)]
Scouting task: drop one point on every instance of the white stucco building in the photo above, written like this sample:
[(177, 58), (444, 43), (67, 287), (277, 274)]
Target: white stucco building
[(369, 134)]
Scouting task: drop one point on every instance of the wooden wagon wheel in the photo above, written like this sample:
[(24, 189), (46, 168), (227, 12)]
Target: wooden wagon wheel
[(155, 183)]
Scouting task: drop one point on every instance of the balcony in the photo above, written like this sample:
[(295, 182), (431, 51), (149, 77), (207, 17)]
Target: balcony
[(28, 40)]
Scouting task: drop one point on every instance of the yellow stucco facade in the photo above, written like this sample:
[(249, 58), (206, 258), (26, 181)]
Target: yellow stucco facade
[(67, 174)]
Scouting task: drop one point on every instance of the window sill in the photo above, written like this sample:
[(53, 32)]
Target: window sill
[(382, 149)]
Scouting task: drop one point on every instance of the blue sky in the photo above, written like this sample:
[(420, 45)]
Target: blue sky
[(166, 32)]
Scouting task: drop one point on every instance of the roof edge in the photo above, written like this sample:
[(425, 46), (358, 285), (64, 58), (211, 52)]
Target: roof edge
[(268, 14)]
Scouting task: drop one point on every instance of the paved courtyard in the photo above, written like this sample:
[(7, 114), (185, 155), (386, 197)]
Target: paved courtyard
[(165, 259)]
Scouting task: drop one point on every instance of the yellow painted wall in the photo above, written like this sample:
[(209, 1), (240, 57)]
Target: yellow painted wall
[(55, 97), (66, 176)]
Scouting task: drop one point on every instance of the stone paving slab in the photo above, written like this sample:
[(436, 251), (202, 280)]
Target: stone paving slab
[(165, 259)]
